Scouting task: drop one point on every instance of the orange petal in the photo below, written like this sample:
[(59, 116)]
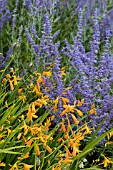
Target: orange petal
[(49, 149), (75, 119), (37, 150), (79, 112)]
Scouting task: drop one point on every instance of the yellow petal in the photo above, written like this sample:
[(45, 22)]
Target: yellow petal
[(2, 164), (11, 86), (27, 167), (20, 90), (29, 143), (64, 112), (74, 119), (68, 127), (79, 112), (49, 149), (37, 150), (65, 100)]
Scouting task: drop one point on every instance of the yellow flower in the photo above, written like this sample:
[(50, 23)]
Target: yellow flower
[(106, 161), (37, 150), (31, 114), (15, 80), (2, 164), (19, 90), (68, 108), (40, 80), (79, 112), (23, 98), (29, 142), (47, 73), (93, 109), (63, 71), (75, 150), (33, 107), (49, 149), (59, 140), (27, 167), (14, 167), (56, 104), (87, 129), (9, 131), (109, 135), (19, 136), (80, 103), (65, 100), (11, 85), (2, 71), (8, 76), (75, 119), (25, 127), (63, 126), (4, 80), (68, 126), (109, 143), (56, 168), (67, 150)]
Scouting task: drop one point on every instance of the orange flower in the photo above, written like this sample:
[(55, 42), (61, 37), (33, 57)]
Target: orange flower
[(47, 73), (2, 71), (27, 167), (56, 104), (49, 149), (8, 76), (11, 85), (24, 139), (56, 168), (109, 143), (93, 109), (87, 130), (59, 140), (1, 136), (63, 126), (26, 156), (68, 108), (37, 150), (31, 114), (68, 126), (64, 112), (15, 80), (40, 80), (67, 160), (75, 150), (106, 161), (109, 135), (4, 80), (9, 131), (15, 166), (66, 136), (19, 90), (79, 112), (2, 164), (29, 142), (19, 136), (67, 151), (65, 100), (33, 107), (23, 98), (80, 103), (25, 127), (75, 119)]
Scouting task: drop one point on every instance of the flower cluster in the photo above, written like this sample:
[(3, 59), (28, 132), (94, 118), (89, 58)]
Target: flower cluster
[(5, 13), (94, 75)]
